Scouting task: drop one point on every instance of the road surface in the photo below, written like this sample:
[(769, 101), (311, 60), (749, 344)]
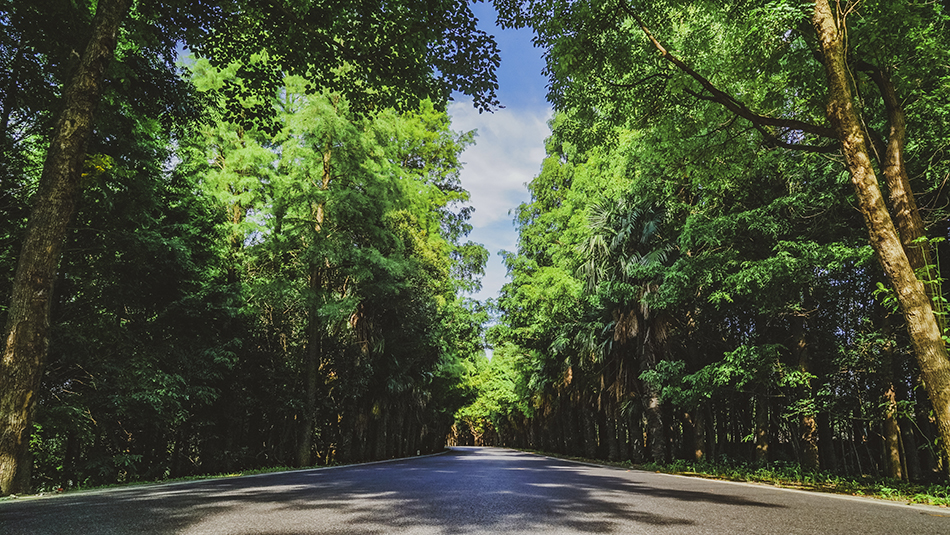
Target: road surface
[(464, 491)]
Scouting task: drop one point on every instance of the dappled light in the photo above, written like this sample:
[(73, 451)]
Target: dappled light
[(466, 490)]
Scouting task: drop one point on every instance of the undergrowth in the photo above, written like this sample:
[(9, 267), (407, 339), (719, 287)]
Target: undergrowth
[(790, 475), (43, 490)]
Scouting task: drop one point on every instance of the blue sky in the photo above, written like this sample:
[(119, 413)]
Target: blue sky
[(509, 148)]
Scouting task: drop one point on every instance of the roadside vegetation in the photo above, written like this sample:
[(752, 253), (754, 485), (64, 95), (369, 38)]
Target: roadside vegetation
[(259, 251), (233, 236), (791, 476), (736, 246)]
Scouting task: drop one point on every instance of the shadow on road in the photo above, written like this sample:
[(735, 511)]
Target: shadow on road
[(463, 491)]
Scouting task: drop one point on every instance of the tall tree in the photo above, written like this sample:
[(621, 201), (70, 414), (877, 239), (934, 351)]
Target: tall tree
[(27, 329), (784, 70), (925, 334), (626, 254), (446, 52)]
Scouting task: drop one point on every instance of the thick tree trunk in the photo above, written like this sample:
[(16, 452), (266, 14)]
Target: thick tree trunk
[(925, 335), (910, 226), (27, 330)]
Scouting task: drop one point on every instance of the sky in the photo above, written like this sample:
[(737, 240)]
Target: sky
[(509, 146)]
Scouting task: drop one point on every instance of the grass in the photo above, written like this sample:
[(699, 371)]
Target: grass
[(790, 475), (59, 490)]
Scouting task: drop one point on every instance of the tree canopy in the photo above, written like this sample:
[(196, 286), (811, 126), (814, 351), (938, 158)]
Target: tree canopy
[(690, 281), (235, 237), (97, 95)]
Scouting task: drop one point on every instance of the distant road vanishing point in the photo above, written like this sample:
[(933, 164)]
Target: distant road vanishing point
[(464, 491)]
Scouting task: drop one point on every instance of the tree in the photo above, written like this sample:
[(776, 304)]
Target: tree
[(780, 69), (345, 232), (925, 334), (445, 52), (626, 254), (27, 329)]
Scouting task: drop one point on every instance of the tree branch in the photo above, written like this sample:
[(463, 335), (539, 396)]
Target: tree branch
[(771, 139), (724, 98)]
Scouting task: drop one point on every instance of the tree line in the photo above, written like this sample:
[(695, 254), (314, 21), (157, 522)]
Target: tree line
[(233, 235), (733, 250), (257, 256)]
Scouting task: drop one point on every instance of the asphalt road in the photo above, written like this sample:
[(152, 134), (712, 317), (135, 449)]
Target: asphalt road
[(467, 490)]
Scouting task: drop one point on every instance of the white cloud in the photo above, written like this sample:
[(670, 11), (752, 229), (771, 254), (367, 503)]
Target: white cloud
[(507, 154)]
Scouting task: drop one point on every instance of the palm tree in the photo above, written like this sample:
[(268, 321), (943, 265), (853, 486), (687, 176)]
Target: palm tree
[(626, 254)]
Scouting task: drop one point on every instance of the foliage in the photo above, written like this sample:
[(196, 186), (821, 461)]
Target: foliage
[(791, 476), (690, 276), (188, 308)]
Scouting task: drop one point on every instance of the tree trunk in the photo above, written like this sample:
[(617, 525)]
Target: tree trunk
[(590, 430), (826, 441), (908, 440), (807, 426), (27, 329), (623, 437), (761, 428), (925, 335), (304, 454), (313, 352), (910, 226), (610, 428), (382, 433), (712, 448), (723, 425), (892, 437), (697, 439), (568, 416), (397, 448), (412, 435), (656, 435), (635, 432)]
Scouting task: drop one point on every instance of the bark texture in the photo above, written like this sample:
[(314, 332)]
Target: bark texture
[(925, 335), (892, 437), (27, 330)]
